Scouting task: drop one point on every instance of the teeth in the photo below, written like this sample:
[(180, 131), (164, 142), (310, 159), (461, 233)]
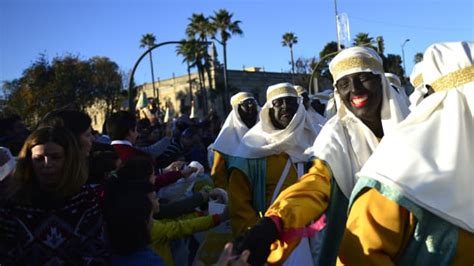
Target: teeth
[(359, 99)]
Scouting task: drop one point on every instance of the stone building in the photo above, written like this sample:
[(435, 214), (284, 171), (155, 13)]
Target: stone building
[(178, 91)]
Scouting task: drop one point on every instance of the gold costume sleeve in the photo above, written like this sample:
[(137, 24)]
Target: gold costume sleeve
[(377, 230), (298, 205), (305, 200), (219, 173), (241, 213)]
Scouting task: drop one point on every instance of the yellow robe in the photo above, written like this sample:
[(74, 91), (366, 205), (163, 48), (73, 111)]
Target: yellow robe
[(241, 212), (378, 229), (300, 204), (219, 172)]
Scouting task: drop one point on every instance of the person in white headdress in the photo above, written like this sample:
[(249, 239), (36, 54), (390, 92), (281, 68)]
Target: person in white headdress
[(326, 98), (244, 115), (420, 209), (416, 80), (317, 118), (274, 157), (367, 109), (395, 82)]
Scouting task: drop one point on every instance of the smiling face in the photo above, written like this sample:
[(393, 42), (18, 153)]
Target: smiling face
[(48, 161), (283, 111), (361, 93)]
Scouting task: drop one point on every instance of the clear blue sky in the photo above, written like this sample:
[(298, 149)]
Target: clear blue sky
[(113, 28)]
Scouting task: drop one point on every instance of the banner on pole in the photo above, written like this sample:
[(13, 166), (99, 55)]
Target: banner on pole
[(343, 30)]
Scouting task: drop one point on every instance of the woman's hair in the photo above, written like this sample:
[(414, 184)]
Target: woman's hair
[(101, 163), (75, 121), (74, 174), (136, 169), (127, 213), (127, 207)]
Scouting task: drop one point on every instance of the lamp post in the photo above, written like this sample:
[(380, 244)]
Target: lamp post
[(313, 72), (403, 55), (130, 78)]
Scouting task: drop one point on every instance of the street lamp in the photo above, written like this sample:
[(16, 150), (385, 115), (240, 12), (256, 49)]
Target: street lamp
[(130, 78), (403, 55), (313, 72)]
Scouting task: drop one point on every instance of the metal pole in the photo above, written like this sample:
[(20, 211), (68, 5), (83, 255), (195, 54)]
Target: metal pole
[(153, 79), (226, 89), (403, 56), (337, 30), (313, 72), (130, 78)]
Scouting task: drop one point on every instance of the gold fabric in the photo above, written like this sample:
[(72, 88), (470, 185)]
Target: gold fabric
[(417, 81), (240, 97), (284, 90), (242, 214), (219, 173), (356, 62), (300, 204), (378, 229), (454, 79)]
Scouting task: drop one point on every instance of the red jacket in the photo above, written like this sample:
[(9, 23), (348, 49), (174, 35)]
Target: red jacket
[(127, 152)]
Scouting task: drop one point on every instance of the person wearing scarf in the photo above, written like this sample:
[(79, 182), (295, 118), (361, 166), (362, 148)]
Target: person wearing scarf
[(367, 109), (395, 82), (419, 211), (416, 80), (244, 115), (271, 156), (317, 118)]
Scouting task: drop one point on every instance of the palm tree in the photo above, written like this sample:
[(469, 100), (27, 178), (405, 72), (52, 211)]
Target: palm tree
[(187, 49), (418, 57), (199, 28), (380, 45), (223, 25), (148, 41), (290, 39), (363, 39)]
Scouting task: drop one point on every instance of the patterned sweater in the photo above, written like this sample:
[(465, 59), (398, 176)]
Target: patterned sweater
[(66, 232)]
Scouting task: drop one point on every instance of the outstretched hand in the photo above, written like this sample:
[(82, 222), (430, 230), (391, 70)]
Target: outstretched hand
[(258, 241), (227, 257)]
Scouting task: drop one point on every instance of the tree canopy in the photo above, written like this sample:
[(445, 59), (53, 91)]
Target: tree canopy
[(65, 81)]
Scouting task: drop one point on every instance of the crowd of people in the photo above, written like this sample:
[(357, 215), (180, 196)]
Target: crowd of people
[(372, 177)]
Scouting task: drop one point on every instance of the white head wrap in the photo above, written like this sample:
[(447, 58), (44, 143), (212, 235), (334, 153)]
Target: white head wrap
[(394, 81), (300, 90), (416, 79), (233, 128), (345, 142), (264, 139), (434, 146), (315, 116)]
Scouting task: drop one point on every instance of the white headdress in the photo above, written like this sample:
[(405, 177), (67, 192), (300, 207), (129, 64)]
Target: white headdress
[(434, 146), (345, 142), (416, 80), (264, 139), (394, 81), (233, 128)]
